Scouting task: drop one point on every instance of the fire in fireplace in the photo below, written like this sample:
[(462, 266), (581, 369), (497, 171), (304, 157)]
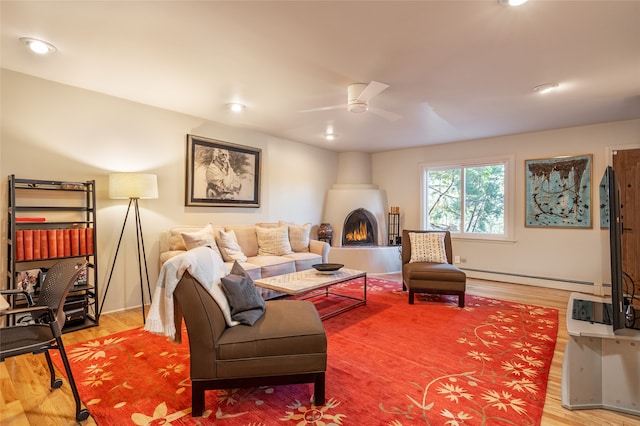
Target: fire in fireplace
[(359, 229)]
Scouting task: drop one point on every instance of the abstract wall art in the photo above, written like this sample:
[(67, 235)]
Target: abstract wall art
[(558, 192)]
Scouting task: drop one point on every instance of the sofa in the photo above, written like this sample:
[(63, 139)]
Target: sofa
[(262, 249)]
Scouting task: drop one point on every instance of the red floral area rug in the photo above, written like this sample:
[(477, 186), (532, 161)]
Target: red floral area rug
[(389, 363)]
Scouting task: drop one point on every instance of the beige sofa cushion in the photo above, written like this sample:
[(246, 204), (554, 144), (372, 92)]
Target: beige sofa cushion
[(246, 237), (203, 237), (273, 241), (299, 236), (304, 261), (229, 247), (273, 265)]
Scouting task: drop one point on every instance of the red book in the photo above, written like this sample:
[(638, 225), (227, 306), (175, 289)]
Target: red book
[(28, 244), (31, 219), (44, 244), (36, 244), (19, 242), (60, 239), (75, 241), (89, 240), (83, 241), (67, 242), (53, 242)]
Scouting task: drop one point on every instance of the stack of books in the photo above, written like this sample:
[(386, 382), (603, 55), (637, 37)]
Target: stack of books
[(33, 244)]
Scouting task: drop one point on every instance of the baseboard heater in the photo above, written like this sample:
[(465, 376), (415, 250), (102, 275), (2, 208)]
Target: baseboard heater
[(511, 274)]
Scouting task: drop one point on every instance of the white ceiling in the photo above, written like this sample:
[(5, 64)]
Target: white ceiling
[(457, 70)]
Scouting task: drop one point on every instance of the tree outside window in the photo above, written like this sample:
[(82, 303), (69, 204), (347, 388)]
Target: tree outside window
[(467, 199)]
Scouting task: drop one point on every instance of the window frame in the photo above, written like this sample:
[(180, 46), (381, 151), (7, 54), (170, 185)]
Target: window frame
[(509, 194)]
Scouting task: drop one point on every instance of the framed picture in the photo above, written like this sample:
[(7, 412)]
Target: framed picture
[(221, 174), (558, 192)]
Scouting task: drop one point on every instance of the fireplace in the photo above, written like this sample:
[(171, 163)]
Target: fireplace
[(355, 202), (359, 229)]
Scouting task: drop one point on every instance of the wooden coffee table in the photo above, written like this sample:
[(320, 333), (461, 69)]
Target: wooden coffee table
[(311, 283)]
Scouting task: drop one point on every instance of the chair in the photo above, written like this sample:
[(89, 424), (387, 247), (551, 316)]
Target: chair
[(430, 277), (43, 331), (286, 345)]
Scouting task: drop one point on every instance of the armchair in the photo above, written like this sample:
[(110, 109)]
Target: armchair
[(431, 277), (286, 345), (44, 329)]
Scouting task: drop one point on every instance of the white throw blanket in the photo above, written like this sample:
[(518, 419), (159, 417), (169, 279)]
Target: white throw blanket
[(206, 266)]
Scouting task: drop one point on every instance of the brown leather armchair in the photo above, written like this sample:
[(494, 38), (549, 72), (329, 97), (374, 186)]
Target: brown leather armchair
[(429, 277), (286, 345)]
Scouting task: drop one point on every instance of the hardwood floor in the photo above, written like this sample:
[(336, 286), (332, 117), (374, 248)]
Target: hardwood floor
[(25, 397)]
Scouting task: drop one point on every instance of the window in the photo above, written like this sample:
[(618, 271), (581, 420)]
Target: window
[(470, 199)]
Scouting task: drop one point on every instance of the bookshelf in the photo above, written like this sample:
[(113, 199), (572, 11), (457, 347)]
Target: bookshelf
[(49, 221)]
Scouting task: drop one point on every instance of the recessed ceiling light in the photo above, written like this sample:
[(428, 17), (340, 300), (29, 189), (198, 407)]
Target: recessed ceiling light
[(236, 107), (330, 136), (513, 2), (545, 88), (40, 47)]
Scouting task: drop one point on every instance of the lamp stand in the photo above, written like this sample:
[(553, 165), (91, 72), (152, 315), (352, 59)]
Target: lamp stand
[(140, 244)]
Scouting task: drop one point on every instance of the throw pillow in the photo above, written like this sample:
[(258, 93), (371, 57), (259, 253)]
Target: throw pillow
[(229, 248), (246, 302), (203, 237), (427, 247), (299, 236), (273, 241)]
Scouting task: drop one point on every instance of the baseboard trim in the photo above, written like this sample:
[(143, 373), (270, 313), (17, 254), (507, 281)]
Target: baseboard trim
[(538, 281)]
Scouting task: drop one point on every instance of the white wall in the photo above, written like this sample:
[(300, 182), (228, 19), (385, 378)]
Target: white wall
[(58, 132), (554, 254)]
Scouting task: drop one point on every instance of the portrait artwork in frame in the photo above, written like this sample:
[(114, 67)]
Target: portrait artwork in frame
[(558, 192), (222, 174)]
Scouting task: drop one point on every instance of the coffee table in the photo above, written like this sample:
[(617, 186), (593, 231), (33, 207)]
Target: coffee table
[(311, 283)]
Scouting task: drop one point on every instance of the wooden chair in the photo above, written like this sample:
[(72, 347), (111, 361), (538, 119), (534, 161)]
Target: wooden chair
[(286, 345), (430, 277)]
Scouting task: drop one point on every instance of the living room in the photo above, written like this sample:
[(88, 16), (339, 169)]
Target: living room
[(56, 131), (79, 136)]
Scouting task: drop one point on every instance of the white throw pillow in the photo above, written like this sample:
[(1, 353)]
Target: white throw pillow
[(427, 247), (229, 248), (203, 237), (299, 236), (273, 241)]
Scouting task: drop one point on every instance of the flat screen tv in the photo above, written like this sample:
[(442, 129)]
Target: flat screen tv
[(612, 204)]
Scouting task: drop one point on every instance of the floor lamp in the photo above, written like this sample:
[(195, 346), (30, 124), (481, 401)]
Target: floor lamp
[(132, 186)]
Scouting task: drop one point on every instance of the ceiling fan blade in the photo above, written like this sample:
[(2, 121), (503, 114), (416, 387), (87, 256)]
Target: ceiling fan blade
[(433, 118), (385, 114), (326, 108), (372, 89)]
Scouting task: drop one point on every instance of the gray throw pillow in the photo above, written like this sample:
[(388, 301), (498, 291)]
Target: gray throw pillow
[(246, 302)]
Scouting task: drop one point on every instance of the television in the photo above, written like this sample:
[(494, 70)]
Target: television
[(620, 313), (611, 207)]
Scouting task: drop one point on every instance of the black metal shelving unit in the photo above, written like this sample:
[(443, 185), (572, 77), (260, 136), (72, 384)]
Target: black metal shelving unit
[(54, 207)]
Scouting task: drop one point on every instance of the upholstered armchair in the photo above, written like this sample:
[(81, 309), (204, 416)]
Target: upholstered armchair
[(286, 345), (429, 268)]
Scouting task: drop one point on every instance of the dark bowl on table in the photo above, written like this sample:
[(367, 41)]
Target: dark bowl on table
[(327, 268)]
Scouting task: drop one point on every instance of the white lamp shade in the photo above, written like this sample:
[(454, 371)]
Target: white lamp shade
[(133, 185)]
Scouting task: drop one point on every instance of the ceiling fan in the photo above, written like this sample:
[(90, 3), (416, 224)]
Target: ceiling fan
[(358, 97)]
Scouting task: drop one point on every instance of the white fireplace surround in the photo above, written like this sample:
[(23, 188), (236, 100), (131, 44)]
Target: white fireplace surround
[(353, 190), (343, 199)]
